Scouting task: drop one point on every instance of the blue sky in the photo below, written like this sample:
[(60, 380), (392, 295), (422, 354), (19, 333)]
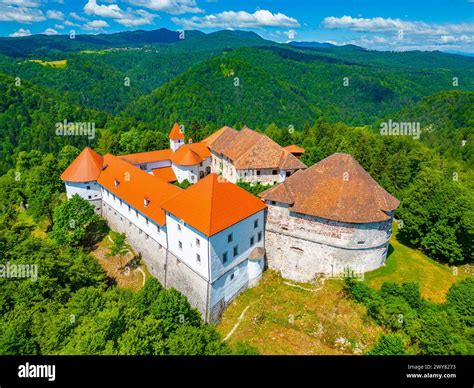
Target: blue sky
[(446, 25)]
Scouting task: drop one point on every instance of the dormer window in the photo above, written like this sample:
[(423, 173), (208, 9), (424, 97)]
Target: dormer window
[(146, 201), (116, 182)]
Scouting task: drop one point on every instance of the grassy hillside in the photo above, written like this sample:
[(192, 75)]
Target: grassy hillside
[(283, 317)]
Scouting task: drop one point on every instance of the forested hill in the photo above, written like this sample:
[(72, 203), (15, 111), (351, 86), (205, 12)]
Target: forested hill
[(260, 85), (23, 47), (447, 123), (28, 117)]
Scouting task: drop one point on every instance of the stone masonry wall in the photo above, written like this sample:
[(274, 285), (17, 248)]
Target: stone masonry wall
[(302, 247)]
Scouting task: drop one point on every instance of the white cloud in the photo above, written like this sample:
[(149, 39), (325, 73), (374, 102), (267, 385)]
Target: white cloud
[(128, 18), (77, 17), (241, 19), (20, 14), (109, 11), (22, 3), (50, 31), (96, 25), (139, 18), (59, 26), (51, 14), (21, 32), (70, 24), (389, 24), (169, 6)]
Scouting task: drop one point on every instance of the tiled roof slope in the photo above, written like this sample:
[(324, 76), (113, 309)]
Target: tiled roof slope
[(176, 133), (147, 157), (135, 185), (336, 188), (85, 168), (190, 154), (213, 204)]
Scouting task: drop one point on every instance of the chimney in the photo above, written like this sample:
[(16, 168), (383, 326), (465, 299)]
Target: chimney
[(116, 182), (146, 201)]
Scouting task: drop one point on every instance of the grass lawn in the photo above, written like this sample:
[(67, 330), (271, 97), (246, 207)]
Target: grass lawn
[(288, 318), (55, 64), (405, 264)]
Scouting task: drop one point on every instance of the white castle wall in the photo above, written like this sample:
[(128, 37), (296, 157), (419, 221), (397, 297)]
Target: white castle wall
[(267, 176)]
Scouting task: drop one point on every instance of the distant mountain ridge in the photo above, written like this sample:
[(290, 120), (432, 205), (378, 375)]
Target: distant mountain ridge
[(46, 44)]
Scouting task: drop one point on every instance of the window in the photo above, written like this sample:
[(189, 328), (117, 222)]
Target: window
[(232, 277), (275, 172), (255, 223), (88, 187), (288, 173), (252, 240), (146, 220), (179, 227), (258, 172), (273, 202), (230, 237), (236, 250), (180, 245), (224, 257), (158, 228), (259, 236), (198, 257), (136, 213), (129, 209), (90, 197), (198, 242), (360, 242)]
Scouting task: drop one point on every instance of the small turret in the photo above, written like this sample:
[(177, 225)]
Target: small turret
[(176, 137)]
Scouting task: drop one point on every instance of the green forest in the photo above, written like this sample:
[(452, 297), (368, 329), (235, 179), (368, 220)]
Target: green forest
[(133, 88)]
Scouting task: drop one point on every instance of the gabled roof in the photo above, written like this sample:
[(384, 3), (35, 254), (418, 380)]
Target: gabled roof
[(85, 168), (135, 185), (176, 133), (165, 173), (190, 154), (336, 188), (213, 204), (147, 157), (248, 149)]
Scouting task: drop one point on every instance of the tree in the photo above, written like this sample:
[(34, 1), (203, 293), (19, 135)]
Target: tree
[(146, 337), (75, 223), (388, 345), (193, 341)]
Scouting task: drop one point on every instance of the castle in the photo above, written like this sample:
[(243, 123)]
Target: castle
[(213, 240)]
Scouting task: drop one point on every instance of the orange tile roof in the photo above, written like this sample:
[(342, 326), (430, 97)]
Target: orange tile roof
[(147, 157), (294, 149), (85, 168), (190, 154), (176, 133), (213, 204), (135, 185), (165, 173), (336, 188)]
